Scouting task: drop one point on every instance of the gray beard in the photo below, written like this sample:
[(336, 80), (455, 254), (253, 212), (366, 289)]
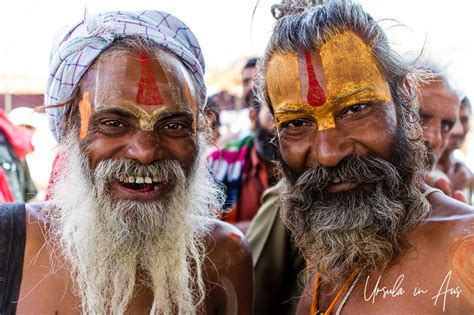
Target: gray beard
[(108, 242), (362, 228)]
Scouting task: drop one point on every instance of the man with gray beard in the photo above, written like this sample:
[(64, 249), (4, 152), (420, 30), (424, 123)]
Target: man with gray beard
[(376, 239), (129, 227)]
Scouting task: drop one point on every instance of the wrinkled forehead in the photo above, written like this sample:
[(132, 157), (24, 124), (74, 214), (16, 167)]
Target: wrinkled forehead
[(343, 66), (148, 79)]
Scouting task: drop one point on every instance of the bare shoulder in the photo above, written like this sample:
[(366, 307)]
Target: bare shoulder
[(36, 222), (226, 245), (449, 210), (229, 268)]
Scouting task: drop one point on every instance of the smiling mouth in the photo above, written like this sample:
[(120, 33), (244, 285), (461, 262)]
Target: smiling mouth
[(140, 184)]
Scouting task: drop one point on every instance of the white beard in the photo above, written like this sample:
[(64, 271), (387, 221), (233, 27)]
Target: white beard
[(107, 242)]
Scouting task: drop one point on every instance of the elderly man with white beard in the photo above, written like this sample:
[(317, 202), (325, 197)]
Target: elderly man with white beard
[(376, 239), (129, 228)]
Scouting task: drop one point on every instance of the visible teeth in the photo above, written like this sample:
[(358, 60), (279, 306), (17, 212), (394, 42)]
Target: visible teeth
[(138, 179)]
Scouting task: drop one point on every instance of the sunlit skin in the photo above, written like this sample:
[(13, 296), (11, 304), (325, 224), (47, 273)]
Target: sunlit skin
[(462, 263), (146, 116), (358, 117), (439, 112), (121, 126), (357, 100), (46, 286)]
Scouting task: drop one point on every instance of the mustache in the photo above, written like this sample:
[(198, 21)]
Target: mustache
[(165, 171), (362, 170)]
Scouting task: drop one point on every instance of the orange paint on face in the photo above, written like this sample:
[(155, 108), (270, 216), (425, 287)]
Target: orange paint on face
[(148, 92), (152, 85), (463, 266), (345, 72), (85, 113)]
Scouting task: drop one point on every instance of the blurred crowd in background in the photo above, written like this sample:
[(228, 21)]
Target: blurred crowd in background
[(241, 150)]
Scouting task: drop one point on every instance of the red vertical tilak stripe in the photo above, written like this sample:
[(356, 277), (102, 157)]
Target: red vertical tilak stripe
[(315, 95), (148, 93)]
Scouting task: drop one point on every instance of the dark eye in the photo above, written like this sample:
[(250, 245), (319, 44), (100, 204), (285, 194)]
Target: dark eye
[(446, 126), (293, 124), (176, 129), (247, 82), (112, 127), (351, 110), (174, 126), (113, 123)]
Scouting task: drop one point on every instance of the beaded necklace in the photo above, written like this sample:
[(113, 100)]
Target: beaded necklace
[(349, 282)]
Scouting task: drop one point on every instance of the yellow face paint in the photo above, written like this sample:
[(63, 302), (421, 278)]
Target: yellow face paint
[(147, 86), (342, 74)]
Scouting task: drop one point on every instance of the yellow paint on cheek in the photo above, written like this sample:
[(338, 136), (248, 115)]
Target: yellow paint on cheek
[(85, 113)]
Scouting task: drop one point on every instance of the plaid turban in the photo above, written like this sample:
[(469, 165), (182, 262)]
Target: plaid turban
[(75, 50)]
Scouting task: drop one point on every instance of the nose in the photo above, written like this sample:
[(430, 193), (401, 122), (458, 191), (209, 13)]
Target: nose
[(330, 147), (144, 147), (433, 137)]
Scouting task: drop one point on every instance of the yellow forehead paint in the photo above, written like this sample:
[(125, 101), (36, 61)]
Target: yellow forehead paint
[(343, 74), (85, 113)]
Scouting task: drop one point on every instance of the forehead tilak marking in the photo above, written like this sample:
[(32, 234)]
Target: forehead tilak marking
[(315, 95), (148, 92), (147, 119), (361, 73)]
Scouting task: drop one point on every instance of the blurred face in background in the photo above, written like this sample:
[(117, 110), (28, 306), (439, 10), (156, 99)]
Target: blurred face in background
[(248, 75), (460, 130), (439, 111)]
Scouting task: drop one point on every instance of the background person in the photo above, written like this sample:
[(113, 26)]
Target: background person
[(245, 166), (459, 174)]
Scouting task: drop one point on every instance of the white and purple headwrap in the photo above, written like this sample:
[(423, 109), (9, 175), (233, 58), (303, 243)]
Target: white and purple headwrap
[(75, 51)]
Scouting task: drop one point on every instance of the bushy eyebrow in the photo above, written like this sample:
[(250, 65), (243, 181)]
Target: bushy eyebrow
[(117, 110), (180, 113), (344, 97), (293, 110)]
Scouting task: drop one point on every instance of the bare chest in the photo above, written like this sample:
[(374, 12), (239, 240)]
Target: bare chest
[(429, 286)]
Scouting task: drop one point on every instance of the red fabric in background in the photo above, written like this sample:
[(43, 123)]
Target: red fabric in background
[(5, 192), (19, 138)]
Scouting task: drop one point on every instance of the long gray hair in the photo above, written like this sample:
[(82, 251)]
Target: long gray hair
[(308, 25)]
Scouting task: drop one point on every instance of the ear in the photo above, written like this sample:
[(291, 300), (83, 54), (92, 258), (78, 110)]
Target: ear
[(253, 118)]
